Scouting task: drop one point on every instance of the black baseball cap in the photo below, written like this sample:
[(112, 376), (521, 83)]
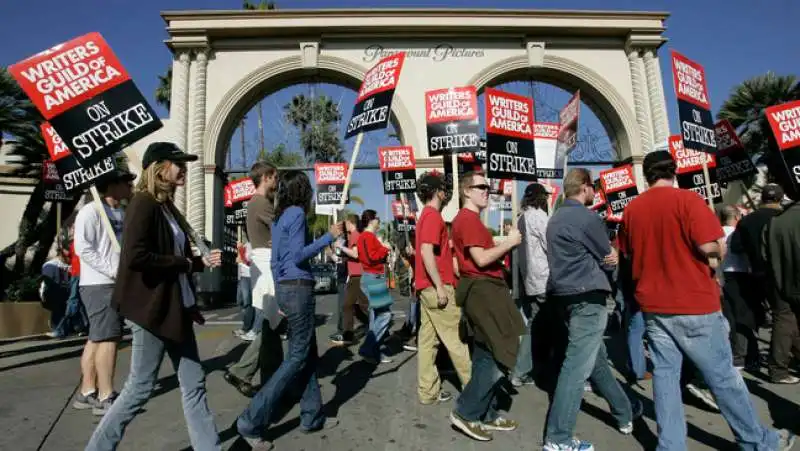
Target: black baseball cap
[(165, 151), (117, 175), (535, 189), (771, 194), (654, 158)]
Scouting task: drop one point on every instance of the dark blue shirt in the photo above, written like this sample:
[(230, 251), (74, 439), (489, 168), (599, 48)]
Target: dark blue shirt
[(292, 246), (576, 245)]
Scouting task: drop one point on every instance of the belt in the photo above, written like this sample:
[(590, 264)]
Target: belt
[(297, 282)]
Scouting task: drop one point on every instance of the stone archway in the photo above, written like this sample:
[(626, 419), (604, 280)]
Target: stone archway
[(224, 59), (597, 93)]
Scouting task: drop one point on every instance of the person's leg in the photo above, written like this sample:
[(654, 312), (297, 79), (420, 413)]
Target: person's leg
[(608, 387), (524, 364), (245, 298), (587, 323), (476, 398), (635, 338), (784, 333), (341, 305), (445, 322), (428, 381), (383, 320), (311, 416), (361, 308), (259, 412), (105, 331), (702, 338), (247, 365), (192, 379), (147, 351), (667, 361), (258, 320), (88, 376)]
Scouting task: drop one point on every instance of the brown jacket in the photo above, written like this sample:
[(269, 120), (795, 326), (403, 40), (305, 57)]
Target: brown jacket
[(147, 290)]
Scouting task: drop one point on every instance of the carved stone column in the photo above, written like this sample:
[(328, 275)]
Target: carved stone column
[(655, 91), (196, 177), (179, 113), (640, 102)]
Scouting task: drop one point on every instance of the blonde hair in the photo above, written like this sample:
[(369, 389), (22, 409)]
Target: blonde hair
[(152, 180)]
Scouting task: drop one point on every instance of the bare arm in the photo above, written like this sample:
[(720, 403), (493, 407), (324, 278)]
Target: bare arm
[(350, 252), (711, 250), (485, 257), (429, 260)]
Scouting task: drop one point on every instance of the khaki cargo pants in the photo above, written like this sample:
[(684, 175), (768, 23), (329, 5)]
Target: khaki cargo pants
[(439, 325)]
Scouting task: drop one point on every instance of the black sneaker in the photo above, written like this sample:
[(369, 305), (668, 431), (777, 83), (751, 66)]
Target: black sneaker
[(85, 402), (102, 406), (341, 340)]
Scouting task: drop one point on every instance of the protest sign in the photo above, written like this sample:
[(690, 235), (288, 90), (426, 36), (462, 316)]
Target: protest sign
[(451, 116), (619, 188), (236, 195), (689, 172), (374, 102), (599, 204), (784, 120), (330, 180), (509, 136), (733, 162), (404, 217), (694, 107), (545, 139), (73, 175), (54, 190), (397, 165), (567, 132), (83, 91)]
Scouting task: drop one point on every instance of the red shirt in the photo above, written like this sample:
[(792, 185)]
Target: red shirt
[(661, 231), (371, 253), (432, 230), (469, 231), (74, 262), (353, 265)]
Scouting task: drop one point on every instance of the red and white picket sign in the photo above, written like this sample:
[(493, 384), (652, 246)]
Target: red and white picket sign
[(784, 120), (239, 191), (688, 160)]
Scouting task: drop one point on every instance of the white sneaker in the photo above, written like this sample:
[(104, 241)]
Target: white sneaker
[(249, 336), (239, 332), (574, 445)]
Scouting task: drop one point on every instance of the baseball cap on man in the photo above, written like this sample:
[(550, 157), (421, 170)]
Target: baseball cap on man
[(771, 194), (165, 151)]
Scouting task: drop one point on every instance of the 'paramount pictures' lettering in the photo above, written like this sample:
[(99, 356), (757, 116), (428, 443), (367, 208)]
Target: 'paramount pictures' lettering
[(509, 136), (73, 175), (619, 187), (397, 166), (451, 116), (689, 172), (374, 101), (733, 161), (81, 88), (694, 107), (437, 53), (784, 154)]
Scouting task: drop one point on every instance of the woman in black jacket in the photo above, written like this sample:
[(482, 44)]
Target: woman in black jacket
[(154, 291)]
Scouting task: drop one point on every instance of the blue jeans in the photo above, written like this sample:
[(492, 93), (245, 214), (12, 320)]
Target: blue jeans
[(636, 329), (704, 340), (412, 319), (379, 321), (478, 399), (74, 318), (586, 358), (528, 308), (147, 352), (300, 366), (244, 298)]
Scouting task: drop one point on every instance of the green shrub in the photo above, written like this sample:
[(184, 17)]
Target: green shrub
[(25, 288)]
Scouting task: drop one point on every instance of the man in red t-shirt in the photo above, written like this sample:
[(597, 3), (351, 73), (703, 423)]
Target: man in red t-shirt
[(671, 237), (486, 301), (355, 302), (434, 279)]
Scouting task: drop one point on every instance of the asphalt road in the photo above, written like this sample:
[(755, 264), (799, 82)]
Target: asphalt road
[(377, 408)]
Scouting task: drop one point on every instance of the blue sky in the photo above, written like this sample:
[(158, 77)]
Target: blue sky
[(733, 39)]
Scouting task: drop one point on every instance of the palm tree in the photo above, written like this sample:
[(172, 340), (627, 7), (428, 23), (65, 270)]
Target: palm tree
[(260, 6), (316, 118), (745, 111), (280, 157), (164, 89), (745, 107)]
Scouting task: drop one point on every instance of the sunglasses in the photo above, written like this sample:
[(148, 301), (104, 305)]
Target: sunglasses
[(482, 187)]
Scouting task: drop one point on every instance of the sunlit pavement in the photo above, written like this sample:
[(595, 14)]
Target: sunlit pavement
[(377, 408)]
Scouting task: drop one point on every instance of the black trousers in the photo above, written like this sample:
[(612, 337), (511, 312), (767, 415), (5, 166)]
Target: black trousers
[(785, 337)]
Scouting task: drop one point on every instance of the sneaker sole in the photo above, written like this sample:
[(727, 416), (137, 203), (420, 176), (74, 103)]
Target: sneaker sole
[(458, 423), (82, 405), (98, 413), (489, 427)]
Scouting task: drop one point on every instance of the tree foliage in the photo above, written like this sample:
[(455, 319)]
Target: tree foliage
[(163, 92), (316, 119)]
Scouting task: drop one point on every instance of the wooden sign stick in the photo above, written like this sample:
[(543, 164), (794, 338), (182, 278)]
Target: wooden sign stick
[(98, 205)]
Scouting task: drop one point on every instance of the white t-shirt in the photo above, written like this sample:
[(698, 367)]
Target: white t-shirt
[(733, 262), (99, 260), (179, 237)]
